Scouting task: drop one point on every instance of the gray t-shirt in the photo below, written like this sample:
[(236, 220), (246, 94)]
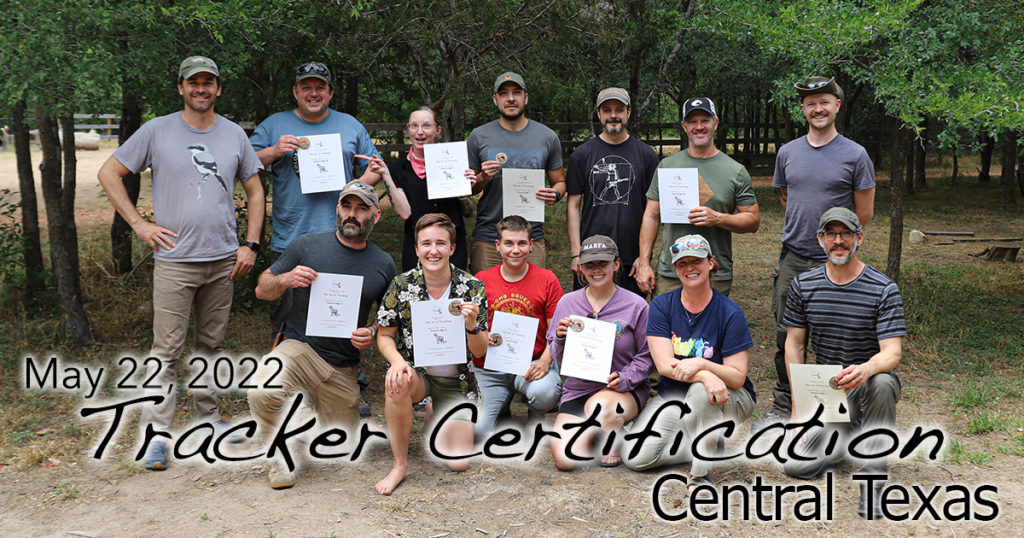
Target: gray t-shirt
[(194, 173), (724, 184), (817, 179), (324, 253), (535, 146)]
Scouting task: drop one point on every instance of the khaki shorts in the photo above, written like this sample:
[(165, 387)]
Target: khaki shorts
[(446, 393)]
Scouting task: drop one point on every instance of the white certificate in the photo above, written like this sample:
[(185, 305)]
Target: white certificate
[(515, 337), (519, 193), (678, 193), (438, 332), (334, 305), (813, 386), (321, 163), (446, 170), (588, 349)]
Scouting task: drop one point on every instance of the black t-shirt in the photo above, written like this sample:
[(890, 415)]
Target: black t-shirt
[(415, 190), (323, 253), (613, 180)]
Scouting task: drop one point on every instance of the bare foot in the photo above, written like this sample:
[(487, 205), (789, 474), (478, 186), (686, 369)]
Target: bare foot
[(391, 481)]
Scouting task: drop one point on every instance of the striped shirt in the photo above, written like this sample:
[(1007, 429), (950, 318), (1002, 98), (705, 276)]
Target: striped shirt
[(846, 322)]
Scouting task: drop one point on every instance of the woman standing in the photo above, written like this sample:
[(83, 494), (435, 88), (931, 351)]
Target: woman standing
[(407, 186), (701, 346), (627, 388)]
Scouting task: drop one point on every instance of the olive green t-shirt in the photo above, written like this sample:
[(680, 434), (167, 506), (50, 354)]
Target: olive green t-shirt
[(724, 184)]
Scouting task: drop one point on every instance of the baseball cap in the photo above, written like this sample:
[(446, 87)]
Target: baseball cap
[(598, 248), (509, 76), (618, 94), (197, 64), (690, 245), (699, 103), (312, 70), (360, 189), (814, 85), (841, 214)]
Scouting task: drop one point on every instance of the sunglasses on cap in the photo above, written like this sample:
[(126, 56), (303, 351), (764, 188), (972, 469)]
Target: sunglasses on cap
[(689, 245), (816, 85), (311, 67)]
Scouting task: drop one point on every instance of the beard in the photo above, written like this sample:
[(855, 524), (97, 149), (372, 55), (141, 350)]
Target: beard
[(359, 230), (512, 117), (842, 260), (613, 128)]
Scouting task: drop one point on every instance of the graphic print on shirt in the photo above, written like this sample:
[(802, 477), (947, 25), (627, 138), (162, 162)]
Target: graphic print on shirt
[(611, 180), (513, 303), (693, 347), (206, 165)]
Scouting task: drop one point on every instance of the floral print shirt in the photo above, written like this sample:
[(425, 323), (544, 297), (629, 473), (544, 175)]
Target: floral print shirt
[(410, 286)]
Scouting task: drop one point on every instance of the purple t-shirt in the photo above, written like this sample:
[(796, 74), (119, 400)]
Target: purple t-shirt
[(630, 358)]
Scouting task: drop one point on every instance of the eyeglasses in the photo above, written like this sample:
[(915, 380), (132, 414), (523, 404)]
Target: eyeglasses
[(419, 127), (315, 67), (845, 235)]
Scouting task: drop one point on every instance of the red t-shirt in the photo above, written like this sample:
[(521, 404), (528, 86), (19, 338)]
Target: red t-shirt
[(536, 296)]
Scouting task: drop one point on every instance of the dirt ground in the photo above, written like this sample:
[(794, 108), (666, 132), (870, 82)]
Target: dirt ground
[(79, 496)]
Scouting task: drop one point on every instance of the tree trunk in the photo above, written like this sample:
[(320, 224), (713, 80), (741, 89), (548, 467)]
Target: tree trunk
[(909, 149), (33, 255), (986, 158), (60, 217), (956, 166), (120, 231), (920, 152), (1008, 179), (900, 141)]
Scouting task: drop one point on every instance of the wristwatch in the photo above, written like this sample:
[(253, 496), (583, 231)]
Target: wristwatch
[(474, 331), (253, 245)]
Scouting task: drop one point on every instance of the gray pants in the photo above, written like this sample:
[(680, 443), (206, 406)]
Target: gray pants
[(790, 265), (658, 451), (872, 405), (498, 388)]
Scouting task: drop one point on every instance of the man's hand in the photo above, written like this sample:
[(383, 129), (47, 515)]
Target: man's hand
[(705, 216), (644, 276), (245, 258), (286, 144), (157, 236), (547, 195), (488, 169), (299, 277), (362, 338), (854, 376), (537, 370), (398, 377)]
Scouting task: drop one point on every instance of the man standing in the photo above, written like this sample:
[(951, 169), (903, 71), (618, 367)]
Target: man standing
[(728, 204), (195, 156), (324, 367), (855, 316), (608, 178), (813, 173), (276, 141), (519, 287), (511, 141)]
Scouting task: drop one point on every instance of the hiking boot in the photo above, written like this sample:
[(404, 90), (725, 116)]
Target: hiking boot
[(280, 477), (221, 426), (364, 409), (156, 457)]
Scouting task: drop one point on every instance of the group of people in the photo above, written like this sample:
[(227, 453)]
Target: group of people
[(692, 339)]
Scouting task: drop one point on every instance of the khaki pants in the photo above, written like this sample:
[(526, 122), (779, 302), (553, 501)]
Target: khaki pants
[(483, 255), (176, 288), (664, 285), (333, 391)]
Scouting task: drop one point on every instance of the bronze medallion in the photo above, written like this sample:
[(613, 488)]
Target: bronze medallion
[(834, 383), (496, 339), (303, 142), (502, 158), (576, 325), (455, 307)]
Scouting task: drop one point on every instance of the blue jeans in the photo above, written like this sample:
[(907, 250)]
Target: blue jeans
[(497, 389)]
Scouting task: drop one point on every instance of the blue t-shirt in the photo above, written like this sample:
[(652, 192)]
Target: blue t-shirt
[(719, 331), (296, 213)]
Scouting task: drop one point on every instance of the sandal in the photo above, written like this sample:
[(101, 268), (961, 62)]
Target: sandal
[(616, 463), (698, 481)]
